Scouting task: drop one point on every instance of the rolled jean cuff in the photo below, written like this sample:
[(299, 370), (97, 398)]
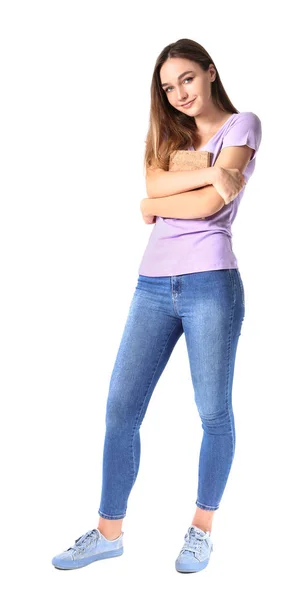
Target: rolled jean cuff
[(105, 516), (205, 506)]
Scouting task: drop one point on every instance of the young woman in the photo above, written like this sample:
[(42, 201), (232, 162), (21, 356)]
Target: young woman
[(188, 283)]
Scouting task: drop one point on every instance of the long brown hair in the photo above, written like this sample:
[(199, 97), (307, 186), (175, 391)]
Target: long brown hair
[(169, 129)]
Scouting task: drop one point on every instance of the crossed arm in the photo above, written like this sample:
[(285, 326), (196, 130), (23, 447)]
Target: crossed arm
[(202, 202), (194, 204)]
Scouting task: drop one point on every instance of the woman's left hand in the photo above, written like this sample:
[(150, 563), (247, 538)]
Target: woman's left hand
[(148, 218)]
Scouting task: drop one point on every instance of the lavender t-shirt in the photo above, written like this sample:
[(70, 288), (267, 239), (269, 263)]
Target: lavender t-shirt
[(179, 246)]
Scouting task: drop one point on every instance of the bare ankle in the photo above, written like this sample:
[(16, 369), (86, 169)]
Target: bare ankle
[(111, 529), (109, 536)]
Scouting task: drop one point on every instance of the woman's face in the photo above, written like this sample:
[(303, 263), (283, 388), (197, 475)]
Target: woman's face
[(183, 81)]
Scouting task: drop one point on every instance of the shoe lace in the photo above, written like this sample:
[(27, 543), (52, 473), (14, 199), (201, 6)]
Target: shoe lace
[(193, 541), (84, 540)]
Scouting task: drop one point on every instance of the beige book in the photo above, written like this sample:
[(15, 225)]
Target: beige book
[(188, 160)]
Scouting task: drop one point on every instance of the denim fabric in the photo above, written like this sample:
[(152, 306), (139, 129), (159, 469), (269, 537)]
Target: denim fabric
[(209, 307)]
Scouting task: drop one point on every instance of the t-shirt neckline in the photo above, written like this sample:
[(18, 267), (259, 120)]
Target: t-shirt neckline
[(218, 131)]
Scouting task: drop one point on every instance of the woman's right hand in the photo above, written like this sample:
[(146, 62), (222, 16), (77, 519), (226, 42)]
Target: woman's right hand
[(228, 183)]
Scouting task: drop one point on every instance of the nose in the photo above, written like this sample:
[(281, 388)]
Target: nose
[(182, 99), (182, 96)]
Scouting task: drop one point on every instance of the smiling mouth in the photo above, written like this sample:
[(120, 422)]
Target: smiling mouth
[(188, 104)]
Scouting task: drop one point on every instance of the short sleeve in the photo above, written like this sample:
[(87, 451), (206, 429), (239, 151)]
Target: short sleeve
[(245, 130)]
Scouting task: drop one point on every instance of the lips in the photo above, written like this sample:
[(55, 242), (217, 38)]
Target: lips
[(188, 104)]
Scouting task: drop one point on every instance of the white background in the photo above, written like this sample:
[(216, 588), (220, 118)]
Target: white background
[(74, 109)]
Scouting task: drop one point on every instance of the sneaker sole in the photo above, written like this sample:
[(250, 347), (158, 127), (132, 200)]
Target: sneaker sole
[(191, 568), (83, 562)]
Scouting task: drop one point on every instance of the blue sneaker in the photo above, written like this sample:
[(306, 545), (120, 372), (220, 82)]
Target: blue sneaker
[(89, 547), (196, 551)]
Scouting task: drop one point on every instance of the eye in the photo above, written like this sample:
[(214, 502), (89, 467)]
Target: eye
[(186, 79)]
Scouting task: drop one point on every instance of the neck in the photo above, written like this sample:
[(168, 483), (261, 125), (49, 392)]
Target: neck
[(208, 121)]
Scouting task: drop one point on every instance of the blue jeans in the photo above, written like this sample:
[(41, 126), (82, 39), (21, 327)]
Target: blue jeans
[(209, 307)]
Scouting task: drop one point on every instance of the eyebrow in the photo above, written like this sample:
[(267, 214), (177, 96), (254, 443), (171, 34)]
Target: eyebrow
[(179, 77)]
